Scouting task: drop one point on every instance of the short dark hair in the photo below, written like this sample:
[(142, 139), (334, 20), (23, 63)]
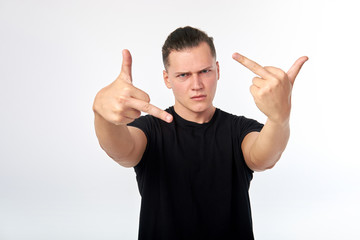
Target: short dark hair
[(183, 38)]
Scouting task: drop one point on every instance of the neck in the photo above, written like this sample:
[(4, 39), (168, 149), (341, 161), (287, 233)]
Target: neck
[(197, 117)]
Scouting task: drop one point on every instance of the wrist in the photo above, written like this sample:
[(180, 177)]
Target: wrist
[(280, 122)]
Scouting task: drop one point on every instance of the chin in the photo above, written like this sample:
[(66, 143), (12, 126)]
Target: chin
[(199, 108)]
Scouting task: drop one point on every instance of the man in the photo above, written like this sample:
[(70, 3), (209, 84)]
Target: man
[(194, 162)]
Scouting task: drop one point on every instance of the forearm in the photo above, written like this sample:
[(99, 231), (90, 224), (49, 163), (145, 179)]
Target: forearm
[(114, 139), (270, 144)]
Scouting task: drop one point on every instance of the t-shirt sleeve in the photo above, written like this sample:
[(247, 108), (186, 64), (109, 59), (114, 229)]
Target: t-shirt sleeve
[(243, 127), (145, 124), (247, 126)]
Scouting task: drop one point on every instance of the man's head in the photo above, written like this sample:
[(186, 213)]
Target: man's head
[(191, 71), (184, 38)]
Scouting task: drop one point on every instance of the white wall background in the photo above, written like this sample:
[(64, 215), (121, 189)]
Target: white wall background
[(56, 182)]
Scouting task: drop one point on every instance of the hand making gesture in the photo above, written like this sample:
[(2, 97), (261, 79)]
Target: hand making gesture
[(272, 89), (121, 102)]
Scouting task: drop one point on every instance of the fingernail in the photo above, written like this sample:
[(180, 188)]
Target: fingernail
[(168, 118), (236, 56)]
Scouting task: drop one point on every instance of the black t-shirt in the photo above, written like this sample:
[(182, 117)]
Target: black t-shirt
[(193, 179)]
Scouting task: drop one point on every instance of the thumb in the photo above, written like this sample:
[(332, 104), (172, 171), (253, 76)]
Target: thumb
[(126, 64), (295, 68)]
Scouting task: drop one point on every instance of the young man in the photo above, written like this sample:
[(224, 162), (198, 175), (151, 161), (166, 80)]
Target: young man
[(194, 162)]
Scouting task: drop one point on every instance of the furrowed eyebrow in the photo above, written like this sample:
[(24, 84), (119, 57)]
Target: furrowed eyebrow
[(209, 67), (206, 68), (179, 73)]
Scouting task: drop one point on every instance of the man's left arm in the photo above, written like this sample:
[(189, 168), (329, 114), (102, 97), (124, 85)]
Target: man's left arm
[(271, 90)]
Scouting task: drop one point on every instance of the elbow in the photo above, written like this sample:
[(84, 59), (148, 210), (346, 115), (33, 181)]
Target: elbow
[(269, 166), (260, 165), (123, 160), (126, 164)]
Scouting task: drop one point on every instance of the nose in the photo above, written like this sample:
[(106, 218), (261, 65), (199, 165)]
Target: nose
[(197, 83)]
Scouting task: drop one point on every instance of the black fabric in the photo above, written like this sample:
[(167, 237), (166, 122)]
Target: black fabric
[(193, 179)]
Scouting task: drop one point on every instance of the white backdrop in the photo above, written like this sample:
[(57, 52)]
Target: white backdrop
[(57, 183)]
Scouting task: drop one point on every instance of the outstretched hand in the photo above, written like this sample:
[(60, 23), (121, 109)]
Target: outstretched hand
[(272, 89), (121, 102)]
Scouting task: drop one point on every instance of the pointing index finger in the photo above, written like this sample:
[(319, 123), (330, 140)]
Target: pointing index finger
[(147, 107), (157, 112), (251, 65)]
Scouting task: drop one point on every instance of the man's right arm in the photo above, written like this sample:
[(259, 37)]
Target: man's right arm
[(115, 106), (123, 144)]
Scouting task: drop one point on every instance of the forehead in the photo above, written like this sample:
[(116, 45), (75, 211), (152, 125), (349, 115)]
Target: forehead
[(191, 59)]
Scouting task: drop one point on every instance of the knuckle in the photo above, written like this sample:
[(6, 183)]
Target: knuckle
[(122, 101), (117, 119), (163, 114), (126, 90), (276, 82), (262, 92), (146, 107), (253, 66), (143, 95), (147, 98), (265, 90), (282, 74), (138, 114), (251, 88), (268, 68), (118, 110)]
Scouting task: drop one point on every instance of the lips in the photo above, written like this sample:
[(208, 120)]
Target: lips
[(198, 97)]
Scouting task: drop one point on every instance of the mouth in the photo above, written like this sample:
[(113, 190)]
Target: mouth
[(198, 97)]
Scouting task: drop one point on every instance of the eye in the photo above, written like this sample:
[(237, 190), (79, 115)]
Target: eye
[(182, 75), (205, 71)]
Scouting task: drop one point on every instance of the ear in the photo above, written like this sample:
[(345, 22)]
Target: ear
[(166, 79), (218, 70)]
